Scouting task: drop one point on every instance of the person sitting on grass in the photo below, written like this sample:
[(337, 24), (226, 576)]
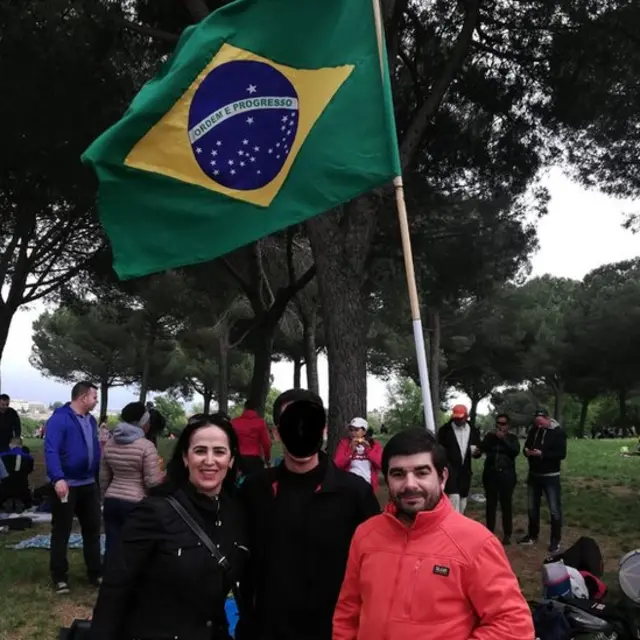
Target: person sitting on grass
[(18, 464)]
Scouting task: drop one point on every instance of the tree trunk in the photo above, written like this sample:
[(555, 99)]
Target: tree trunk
[(473, 411), (558, 401), (622, 404), (6, 316), (104, 397), (434, 361), (146, 369), (206, 397), (223, 378), (261, 376), (584, 411), (297, 373), (340, 248), (310, 326)]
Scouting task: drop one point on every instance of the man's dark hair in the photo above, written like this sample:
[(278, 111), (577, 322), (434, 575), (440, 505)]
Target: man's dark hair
[(504, 416), (293, 395), (249, 405), (4, 396), (80, 388), (410, 442)]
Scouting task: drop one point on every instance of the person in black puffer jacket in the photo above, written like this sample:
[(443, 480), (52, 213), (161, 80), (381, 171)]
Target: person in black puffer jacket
[(501, 449), (162, 582), (545, 448)]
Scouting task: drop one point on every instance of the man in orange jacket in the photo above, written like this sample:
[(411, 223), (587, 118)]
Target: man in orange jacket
[(422, 571)]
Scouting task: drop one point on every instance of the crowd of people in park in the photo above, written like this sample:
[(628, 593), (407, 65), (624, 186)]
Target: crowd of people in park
[(302, 545)]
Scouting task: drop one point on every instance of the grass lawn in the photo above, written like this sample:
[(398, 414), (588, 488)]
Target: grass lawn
[(601, 493)]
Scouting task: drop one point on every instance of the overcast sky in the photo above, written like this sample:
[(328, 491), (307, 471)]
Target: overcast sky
[(582, 231)]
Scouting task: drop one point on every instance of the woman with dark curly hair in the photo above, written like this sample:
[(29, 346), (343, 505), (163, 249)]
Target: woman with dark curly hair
[(169, 578)]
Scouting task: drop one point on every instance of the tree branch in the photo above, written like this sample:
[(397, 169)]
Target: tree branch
[(145, 30), (197, 9), (246, 289), (262, 276), (418, 126), (285, 295), (290, 266)]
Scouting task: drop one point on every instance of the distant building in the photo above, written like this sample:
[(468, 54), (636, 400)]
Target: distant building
[(30, 409)]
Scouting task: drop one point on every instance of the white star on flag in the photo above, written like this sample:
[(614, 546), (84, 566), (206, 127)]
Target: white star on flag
[(249, 120), (198, 150), (252, 89)]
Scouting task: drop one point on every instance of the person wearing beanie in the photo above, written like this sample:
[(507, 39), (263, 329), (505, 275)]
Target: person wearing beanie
[(301, 516), (461, 442), (129, 468)]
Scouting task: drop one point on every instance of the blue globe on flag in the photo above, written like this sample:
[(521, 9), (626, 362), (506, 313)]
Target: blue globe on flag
[(243, 121)]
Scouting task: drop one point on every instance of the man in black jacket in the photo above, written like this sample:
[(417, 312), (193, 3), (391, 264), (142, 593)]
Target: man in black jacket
[(545, 448), (10, 428), (157, 424), (301, 518), (461, 441), (501, 449)]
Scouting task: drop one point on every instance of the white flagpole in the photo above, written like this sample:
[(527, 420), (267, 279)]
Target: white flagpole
[(418, 334)]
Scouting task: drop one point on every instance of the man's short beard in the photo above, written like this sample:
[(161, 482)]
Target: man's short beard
[(431, 502)]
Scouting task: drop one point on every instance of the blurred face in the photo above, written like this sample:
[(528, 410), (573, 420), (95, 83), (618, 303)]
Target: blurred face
[(502, 424), (542, 421), (300, 445), (208, 459), (460, 421), (4, 405), (414, 484)]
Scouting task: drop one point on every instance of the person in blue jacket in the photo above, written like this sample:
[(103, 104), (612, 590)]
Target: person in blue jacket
[(72, 458)]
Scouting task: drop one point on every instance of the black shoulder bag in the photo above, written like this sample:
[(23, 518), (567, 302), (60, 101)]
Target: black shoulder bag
[(222, 561)]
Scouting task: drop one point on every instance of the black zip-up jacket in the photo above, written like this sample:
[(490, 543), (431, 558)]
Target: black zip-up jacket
[(552, 441), (501, 453), (10, 427), (301, 526)]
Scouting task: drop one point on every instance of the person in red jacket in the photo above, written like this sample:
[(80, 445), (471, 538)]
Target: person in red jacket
[(360, 454), (421, 570), (254, 439)]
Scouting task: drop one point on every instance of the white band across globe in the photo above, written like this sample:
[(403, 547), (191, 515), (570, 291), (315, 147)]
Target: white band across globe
[(236, 108)]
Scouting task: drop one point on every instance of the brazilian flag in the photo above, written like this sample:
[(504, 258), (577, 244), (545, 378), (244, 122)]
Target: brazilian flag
[(269, 112)]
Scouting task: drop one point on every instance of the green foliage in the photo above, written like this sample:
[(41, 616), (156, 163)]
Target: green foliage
[(29, 426), (172, 411), (93, 342), (49, 229), (404, 407), (272, 395)]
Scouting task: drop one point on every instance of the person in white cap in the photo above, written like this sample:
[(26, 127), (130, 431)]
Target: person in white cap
[(359, 454)]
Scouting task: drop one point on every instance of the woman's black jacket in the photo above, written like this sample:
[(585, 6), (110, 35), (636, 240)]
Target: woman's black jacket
[(162, 584)]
